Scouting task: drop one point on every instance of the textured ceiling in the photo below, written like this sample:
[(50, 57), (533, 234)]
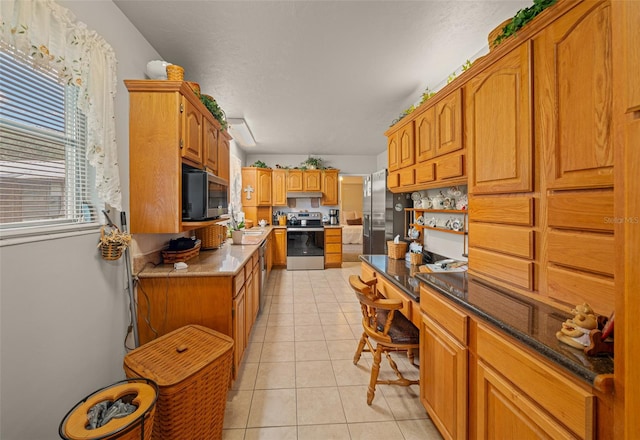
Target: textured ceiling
[(317, 77)]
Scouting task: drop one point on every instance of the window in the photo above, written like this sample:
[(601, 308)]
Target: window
[(45, 178)]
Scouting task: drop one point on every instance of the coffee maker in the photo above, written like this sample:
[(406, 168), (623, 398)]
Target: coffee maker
[(334, 216)]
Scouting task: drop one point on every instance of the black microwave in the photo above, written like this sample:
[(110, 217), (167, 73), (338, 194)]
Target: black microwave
[(204, 195)]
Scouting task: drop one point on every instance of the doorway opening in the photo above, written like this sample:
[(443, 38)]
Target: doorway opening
[(351, 216)]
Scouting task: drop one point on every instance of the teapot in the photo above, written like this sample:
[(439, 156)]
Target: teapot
[(437, 202), (262, 223)]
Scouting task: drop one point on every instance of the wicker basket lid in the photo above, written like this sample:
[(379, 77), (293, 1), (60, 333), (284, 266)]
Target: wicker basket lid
[(176, 356)]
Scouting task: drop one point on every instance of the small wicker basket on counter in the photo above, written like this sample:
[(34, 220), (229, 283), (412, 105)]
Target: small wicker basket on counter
[(397, 251), (170, 257), (212, 237), (416, 259)]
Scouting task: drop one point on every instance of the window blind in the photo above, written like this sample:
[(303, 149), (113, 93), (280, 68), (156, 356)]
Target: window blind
[(44, 175)]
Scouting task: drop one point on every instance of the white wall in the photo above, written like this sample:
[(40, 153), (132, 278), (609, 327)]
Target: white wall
[(64, 310), (382, 160)]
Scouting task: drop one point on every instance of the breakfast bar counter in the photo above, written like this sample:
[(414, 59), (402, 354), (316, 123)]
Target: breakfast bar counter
[(533, 323)]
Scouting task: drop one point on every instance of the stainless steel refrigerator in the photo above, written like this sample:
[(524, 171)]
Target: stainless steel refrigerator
[(383, 214)]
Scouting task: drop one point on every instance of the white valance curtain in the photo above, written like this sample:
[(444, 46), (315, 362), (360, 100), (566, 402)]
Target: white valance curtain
[(52, 37)]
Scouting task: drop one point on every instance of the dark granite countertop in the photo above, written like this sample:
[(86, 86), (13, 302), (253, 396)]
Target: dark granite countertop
[(534, 323)]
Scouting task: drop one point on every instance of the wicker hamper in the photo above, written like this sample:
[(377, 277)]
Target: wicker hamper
[(138, 425), (192, 367)]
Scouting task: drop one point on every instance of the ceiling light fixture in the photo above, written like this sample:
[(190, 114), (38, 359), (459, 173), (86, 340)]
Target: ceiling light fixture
[(241, 133)]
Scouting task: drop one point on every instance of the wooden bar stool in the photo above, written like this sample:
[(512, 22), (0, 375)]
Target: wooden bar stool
[(389, 330)]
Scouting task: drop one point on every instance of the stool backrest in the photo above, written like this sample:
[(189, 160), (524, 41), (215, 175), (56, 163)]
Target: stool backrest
[(377, 312)]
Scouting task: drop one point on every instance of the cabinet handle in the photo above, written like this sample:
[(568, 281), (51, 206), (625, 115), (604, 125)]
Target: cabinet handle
[(181, 108), (181, 144)]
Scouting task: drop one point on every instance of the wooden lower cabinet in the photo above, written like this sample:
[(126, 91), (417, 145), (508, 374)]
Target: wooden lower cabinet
[(477, 382), (279, 247), (333, 247), (238, 314), (443, 379), (227, 304)]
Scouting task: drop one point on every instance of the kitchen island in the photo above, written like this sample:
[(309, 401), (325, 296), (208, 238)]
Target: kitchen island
[(490, 360)]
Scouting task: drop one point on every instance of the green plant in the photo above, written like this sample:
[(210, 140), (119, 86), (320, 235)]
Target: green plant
[(466, 66), (522, 17), (426, 95), (313, 163), (215, 110), (451, 77), (259, 164)]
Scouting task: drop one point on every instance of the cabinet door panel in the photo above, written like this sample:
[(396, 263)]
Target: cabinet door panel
[(574, 97), (294, 181), (264, 188), (330, 188), (312, 180), (392, 152), (443, 379), (279, 187), (504, 412), (191, 142), (425, 127), (449, 123), (406, 145), (545, 386), (406, 177), (210, 145), (498, 126)]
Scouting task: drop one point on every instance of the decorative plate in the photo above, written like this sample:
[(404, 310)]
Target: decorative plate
[(431, 222), (415, 196), (420, 220)]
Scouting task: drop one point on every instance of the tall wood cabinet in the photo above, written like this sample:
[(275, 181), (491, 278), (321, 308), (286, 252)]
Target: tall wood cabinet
[(279, 247), (329, 187), (256, 193), (279, 187), (168, 126)]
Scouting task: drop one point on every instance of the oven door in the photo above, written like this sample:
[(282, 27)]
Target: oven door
[(305, 248)]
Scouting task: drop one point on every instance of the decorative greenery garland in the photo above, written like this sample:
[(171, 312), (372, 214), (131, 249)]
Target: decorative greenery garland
[(522, 17), (215, 110)]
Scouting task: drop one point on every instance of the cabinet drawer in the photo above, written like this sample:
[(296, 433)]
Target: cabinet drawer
[(333, 248), (449, 317), (553, 392), (510, 269), (425, 173), (406, 176), (581, 210), (511, 240), (575, 287), (390, 292), (582, 250), (510, 210), (333, 258), (238, 282), (450, 166), (333, 235), (393, 180)]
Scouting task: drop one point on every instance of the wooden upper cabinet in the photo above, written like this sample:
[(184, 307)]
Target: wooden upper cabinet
[(312, 180), (279, 187), (449, 123), (574, 95), (191, 141), (258, 182), (406, 146), (498, 126), (295, 180), (425, 131), (330, 187), (210, 145), (223, 155), (392, 152)]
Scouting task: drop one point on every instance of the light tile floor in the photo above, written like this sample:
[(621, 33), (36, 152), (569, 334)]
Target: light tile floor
[(297, 379)]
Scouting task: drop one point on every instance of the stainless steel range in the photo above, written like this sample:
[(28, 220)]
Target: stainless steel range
[(305, 241)]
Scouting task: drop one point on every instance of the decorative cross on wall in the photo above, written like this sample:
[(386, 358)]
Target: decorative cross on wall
[(249, 189)]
